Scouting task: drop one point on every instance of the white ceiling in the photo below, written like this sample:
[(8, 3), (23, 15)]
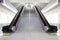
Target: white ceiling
[(29, 1)]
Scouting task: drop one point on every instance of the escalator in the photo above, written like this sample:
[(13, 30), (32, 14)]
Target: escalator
[(29, 20), (51, 28), (8, 28)]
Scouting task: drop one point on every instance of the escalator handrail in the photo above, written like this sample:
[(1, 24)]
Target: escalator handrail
[(42, 17), (14, 21)]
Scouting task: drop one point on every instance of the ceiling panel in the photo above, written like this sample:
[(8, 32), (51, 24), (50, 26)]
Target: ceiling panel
[(29, 1)]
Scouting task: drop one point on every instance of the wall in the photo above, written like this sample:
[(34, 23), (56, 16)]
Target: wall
[(6, 15), (52, 16)]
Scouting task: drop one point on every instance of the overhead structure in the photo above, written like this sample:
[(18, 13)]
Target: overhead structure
[(8, 5), (50, 6)]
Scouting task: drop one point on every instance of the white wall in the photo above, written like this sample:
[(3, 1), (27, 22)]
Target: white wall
[(50, 6), (6, 15), (52, 18), (17, 5), (41, 5), (58, 13), (8, 5), (52, 15), (7, 12)]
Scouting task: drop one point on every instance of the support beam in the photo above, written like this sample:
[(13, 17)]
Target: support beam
[(8, 5), (50, 5)]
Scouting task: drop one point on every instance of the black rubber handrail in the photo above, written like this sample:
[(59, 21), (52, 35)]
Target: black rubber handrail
[(42, 17)]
